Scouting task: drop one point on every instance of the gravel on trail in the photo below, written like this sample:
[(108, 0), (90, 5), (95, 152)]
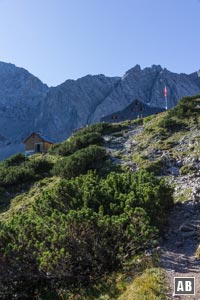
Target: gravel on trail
[(179, 246)]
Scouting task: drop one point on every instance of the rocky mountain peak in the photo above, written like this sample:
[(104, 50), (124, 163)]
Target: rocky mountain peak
[(132, 71), (158, 68)]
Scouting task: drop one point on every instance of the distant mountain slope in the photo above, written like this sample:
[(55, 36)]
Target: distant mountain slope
[(147, 85), (26, 104), (21, 96), (71, 104)]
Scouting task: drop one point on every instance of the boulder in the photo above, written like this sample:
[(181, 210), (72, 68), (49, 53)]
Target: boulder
[(186, 227), (173, 171)]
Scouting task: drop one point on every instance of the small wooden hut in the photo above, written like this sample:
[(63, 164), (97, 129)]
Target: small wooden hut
[(36, 142)]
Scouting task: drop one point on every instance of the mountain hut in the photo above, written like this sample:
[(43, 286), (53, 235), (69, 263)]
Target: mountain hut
[(36, 142)]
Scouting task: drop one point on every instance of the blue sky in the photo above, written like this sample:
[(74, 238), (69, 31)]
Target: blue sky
[(61, 39)]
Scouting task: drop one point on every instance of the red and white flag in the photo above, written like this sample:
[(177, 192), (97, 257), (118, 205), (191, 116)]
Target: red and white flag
[(165, 91)]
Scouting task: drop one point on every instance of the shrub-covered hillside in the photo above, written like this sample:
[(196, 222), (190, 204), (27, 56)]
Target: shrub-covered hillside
[(77, 221), (169, 138)]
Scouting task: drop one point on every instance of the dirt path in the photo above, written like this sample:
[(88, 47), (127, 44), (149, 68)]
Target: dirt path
[(180, 244)]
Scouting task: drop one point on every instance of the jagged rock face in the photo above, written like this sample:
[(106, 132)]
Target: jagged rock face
[(26, 104), (21, 96), (71, 104), (147, 85)]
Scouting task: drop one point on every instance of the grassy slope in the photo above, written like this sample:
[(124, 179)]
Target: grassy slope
[(159, 145), (151, 284), (157, 135), (24, 200)]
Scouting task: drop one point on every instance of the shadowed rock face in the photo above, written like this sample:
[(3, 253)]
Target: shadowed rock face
[(26, 104), (21, 95), (147, 85), (71, 104), (132, 111)]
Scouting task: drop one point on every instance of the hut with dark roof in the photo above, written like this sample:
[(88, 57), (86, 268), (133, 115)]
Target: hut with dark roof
[(36, 142)]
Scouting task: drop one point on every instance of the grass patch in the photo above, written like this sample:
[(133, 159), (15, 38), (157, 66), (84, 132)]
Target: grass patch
[(187, 169), (143, 162), (23, 200), (183, 196), (151, 284), (117, 154)]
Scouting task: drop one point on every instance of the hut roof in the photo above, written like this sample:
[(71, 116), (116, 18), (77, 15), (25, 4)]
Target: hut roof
[(44, 138)]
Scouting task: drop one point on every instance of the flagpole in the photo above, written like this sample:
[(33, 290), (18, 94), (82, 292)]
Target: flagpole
[(165, 94)]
